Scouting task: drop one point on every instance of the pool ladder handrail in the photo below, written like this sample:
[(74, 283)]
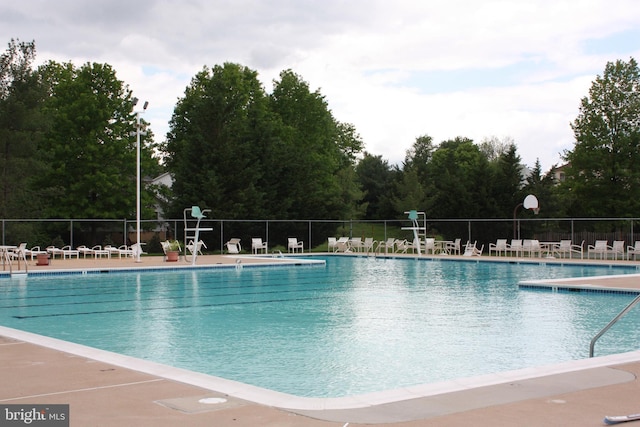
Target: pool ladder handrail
[(635, 301), (8, 259)]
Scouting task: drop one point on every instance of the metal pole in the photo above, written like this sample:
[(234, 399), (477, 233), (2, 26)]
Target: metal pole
[(138, 186), (516, 235)]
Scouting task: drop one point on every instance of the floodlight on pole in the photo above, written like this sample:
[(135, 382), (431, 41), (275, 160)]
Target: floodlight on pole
[(134, 101)]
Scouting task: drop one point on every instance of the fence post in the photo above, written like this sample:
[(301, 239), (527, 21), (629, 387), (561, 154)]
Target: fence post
[(221, 236)]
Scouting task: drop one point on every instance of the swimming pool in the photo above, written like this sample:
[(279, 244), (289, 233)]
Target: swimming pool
[(353, 326)]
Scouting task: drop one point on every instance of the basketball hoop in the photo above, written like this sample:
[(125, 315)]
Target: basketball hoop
[(530, 202)]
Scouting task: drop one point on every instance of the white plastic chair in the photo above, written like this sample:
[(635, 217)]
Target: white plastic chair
[(293, 245)]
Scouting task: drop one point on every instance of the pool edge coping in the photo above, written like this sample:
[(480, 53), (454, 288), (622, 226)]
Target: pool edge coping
[(291, 402)]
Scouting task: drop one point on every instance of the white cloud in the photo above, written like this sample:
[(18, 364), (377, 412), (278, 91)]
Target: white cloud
[(396, 70)]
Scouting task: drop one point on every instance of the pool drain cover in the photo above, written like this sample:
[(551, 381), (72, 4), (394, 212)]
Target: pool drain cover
[(212, 400), (195, 404)]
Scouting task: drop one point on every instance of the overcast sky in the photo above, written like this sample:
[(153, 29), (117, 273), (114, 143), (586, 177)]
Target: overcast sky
[(395, 69)]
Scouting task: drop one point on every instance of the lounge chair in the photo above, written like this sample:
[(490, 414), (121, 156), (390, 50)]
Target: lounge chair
[(536, 248), (69, 252), (389, 245), (137, 249), (471, 250), (112, 250), (53, 251), (126, 251), (499, 247), (453, 247), (120, 251), (197, 248), (356, 244), (531, 247), (293, 245), (342, 245), (617, 248), (19, 253), (633, 250), (368, 244), (84, 250), (233, 246), (515, 247), (34, 252), (567, 248), (402, 246), (599, 247), (429, 245), (258, 245), (98, 252)]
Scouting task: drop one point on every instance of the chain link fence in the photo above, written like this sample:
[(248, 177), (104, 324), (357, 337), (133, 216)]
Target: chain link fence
[(314, 233)]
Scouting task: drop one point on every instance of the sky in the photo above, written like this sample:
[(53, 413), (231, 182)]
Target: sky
[(509, 70)]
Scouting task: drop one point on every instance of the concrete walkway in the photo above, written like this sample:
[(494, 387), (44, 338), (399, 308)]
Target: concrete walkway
[(104, 389)]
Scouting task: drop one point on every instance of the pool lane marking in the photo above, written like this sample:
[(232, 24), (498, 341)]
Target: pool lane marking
[(170, 298), (167, 308), (80, 390), (150, 292)]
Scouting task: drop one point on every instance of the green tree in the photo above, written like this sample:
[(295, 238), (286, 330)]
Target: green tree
[(408, 194), (21, 127), (507, 182), (460, 181), (543, 186), (376, 179), (315, 148), (89, 145), (418, 157), (603, 177), (219, 145)]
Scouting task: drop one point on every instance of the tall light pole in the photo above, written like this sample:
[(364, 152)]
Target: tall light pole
[(138, 133)]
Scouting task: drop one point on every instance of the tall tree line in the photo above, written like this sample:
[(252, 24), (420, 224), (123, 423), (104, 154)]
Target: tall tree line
[(68, 150)]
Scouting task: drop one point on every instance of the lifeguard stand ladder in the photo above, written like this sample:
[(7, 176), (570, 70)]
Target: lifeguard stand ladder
[(418, 231), (193, 233)]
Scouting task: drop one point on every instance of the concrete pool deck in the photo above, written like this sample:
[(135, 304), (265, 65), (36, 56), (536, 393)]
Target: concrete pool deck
[(105, 389)]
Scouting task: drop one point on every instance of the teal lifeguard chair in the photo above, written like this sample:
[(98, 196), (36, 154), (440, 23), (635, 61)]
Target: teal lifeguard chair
[(418, 230), (191, 232)]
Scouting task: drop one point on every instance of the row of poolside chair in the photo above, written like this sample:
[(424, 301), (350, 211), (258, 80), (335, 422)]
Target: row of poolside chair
[(602, 249), (21, 252), (535, 248), (564, 249), (392, 245), (259, 246), (96, 251), (354, 244)]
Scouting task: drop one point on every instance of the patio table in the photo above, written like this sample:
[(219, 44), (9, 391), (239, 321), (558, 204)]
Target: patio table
[(550, 249)]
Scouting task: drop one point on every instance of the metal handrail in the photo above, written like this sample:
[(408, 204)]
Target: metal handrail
[(610, 324)]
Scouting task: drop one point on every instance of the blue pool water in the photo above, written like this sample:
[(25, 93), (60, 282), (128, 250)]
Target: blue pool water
[(352, 326)]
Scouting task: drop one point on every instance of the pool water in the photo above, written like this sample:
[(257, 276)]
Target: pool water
[(354, 325)]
